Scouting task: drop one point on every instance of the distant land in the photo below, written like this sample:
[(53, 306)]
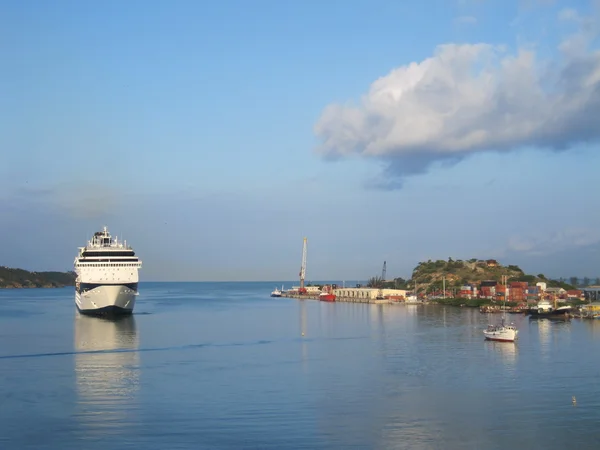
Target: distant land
[(430, 275), (19, 278)]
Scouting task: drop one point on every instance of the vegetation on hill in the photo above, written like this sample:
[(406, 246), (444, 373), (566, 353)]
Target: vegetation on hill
[(430, 275), (19, 278)]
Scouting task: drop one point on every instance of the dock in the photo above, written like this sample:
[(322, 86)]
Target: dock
[(310, 296)]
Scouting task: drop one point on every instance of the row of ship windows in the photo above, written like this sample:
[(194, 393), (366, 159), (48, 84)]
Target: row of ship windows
[(105, 254), (105, 265)]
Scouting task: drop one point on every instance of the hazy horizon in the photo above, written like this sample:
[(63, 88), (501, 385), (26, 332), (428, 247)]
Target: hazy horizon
[(348, 281)]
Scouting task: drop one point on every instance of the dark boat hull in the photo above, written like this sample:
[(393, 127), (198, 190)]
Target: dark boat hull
[(557, 315), (108, 311)]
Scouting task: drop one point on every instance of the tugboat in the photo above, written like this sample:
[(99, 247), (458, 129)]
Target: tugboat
[(327, 294), (546, 310), (277, 292)]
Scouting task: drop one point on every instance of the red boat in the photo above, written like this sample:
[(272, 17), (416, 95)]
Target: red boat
[(327, 295)]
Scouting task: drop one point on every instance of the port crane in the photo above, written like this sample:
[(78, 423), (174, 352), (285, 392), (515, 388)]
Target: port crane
[(380, 291), (302, 289)]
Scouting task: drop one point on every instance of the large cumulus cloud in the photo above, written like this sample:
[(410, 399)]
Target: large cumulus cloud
[(470, 98)]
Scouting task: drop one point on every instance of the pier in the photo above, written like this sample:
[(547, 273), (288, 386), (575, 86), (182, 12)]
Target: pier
[(374, 295), (311, 296)]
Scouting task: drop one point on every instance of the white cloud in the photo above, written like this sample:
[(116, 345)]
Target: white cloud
[(557, 241), (470, 98)]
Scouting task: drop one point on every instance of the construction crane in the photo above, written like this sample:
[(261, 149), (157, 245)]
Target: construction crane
[(302, 289)]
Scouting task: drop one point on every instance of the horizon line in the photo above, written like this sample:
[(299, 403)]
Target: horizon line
[(240, 281)]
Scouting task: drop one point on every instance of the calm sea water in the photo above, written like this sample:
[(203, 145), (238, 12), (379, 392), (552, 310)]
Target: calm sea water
[(224, 366)]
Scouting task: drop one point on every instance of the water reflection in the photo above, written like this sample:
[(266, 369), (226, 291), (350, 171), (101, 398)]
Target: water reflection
[(303, 333), (108, 376), (593, 327), (302, 305), (379, 323), (507, 351), (377, 317), (544, 332), (552, 333), (412, 310)]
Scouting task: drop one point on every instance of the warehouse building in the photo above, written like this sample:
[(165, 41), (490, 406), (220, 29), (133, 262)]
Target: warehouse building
[(370, 293)]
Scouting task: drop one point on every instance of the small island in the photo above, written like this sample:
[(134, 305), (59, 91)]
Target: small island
[(11, 278), (477, 282), (431, 275)]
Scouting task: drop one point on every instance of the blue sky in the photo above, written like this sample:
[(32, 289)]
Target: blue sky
[(216, 135)]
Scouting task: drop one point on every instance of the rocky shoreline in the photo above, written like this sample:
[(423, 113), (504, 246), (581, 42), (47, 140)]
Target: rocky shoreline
[(11, 278)]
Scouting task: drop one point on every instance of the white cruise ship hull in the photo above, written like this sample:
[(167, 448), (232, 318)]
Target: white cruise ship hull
[(107, 276), (106, 299)]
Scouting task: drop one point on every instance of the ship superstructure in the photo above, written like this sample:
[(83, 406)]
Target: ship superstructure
[(107, 276)]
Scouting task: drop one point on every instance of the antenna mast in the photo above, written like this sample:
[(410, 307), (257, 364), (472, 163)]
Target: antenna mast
[(303, 266)]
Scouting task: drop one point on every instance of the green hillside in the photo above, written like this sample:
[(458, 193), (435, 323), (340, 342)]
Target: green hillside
[(19, 278), (458, 273), (430, 275)]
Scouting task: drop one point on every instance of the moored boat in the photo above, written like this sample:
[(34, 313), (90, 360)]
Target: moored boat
[(277, 292), (412, 300), (326, 297), (545, 309), (327, 294)]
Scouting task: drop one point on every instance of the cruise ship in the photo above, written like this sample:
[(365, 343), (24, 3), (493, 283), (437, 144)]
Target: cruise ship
[(107, 276)]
